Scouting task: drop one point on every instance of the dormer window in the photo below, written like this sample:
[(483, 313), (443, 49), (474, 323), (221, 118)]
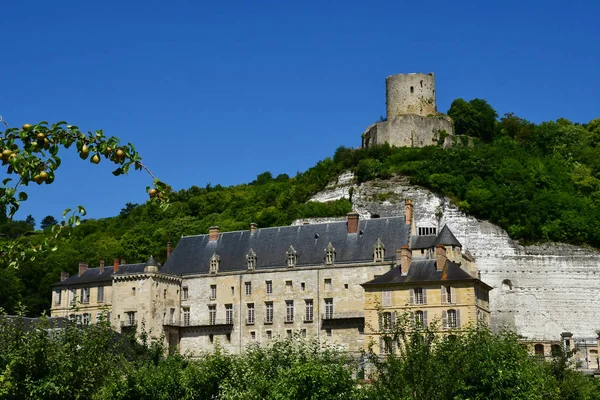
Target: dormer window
[(329, 254), (214, 263), (292, 257), (378, 251), (426, 231), (251, 260)]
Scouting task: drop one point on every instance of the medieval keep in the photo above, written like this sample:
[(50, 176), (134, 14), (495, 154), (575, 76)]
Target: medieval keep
[(316, 280), (412, 119)]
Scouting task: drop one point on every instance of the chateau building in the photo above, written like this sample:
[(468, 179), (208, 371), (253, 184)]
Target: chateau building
[(314, 280)]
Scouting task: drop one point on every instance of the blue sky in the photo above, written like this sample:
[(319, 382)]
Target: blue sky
[(221, 91)]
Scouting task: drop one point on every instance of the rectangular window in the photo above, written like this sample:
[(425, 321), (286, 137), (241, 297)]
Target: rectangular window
[(85, 295), (288, 287), (133, 291), (57, 297), (229, 314), (253, 335), (130, 318), (171, 315), (302, 286), (309, 310), (212, 314), (386, 298), (328, 308), (164, 294), (186, 316), (213, 292), (184, 293), (303, 332), (269, 335), (73, 296), (289, 333), (87, 318), (269, 312), (418, 296), (329, 332), (289, 311), (248, 288), (228, 337), (250, 319), (269, 287), (328, 285), (100, 294)]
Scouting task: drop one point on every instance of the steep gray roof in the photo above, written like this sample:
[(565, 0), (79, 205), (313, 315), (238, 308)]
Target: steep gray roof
[(93, 275), (447, 238), (423, 271), (192, 254), (422, 242)]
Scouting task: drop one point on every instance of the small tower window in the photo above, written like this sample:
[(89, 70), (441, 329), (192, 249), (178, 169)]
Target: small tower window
[(378, 251), (329, 254), (412, 89), (214, 263), (251, 260), (292, 257)]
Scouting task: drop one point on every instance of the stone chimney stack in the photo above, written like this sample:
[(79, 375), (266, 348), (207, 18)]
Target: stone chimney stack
[(213, 233), (408, 211), (101, 266), (405, 259), (352, 222), (115, 265), (253, 228), (440, 256), (64, 275), (82, 268)]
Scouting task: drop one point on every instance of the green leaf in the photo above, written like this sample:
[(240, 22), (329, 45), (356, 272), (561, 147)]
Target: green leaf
[(22, 196), (66, 212)]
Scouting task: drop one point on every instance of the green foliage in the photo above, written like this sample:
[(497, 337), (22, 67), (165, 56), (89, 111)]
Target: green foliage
[(474, 118), (47, 222)]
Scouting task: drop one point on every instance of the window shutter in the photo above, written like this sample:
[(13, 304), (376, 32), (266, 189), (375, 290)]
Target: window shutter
[(458, 318), (386, 298), (424, 296), (393, 323), (380, 321), (412, 317), (425, 318), (412, 296), (444, 297), (444, 319), (453, 295)]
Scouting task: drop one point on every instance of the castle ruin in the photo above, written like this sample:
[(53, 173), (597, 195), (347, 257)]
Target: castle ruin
[(412, 117)]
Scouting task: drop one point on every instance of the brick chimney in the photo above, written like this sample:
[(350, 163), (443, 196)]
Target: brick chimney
[(408, 211), (64, 275), (169, 246), (405, 259), (115, 265), (101, 266), (352, 222), (440, 256), (82, 268), (213, 233), (253, 227)]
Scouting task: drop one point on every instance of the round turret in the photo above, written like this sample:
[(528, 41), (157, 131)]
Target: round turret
[(410, 94)]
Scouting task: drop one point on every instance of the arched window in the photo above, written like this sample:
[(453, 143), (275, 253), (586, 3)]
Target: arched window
[(507, 285), (292, 257), (412, 89), (214, 263), (378, 251), (329, 254), (251, 260), (451, 319)]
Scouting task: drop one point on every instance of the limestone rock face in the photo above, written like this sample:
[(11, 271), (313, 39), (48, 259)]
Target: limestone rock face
[(540, 291)]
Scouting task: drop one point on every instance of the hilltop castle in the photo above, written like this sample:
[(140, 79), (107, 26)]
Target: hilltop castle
[(412, 117)]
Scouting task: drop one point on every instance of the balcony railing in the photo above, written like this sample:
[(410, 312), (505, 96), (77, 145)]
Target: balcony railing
[(129, 322), (343, 315), (200, 322)]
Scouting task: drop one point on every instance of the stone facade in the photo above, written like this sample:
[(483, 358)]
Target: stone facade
[(540, 291), (412, 117)]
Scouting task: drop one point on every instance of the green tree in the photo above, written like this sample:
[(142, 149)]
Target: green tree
[(47, 222), (30, 221), (474, 118)]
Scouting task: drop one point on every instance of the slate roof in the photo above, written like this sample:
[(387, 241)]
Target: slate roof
[(423, 271), (27, 324), (445, 237), (192, 254), (93, 275)]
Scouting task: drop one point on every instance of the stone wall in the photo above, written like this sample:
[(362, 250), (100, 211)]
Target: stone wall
[(411, 130), (410, 94), (540, 291)]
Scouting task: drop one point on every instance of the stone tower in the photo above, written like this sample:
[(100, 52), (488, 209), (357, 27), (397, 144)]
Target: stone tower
[(410, 94), (412, 119)]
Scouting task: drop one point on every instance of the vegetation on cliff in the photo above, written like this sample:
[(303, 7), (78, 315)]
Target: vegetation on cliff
[(539, 182)]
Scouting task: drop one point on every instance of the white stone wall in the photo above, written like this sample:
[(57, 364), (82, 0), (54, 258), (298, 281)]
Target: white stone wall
[(555, 287)]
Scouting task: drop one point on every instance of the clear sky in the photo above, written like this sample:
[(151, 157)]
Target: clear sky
[(221, 91)]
